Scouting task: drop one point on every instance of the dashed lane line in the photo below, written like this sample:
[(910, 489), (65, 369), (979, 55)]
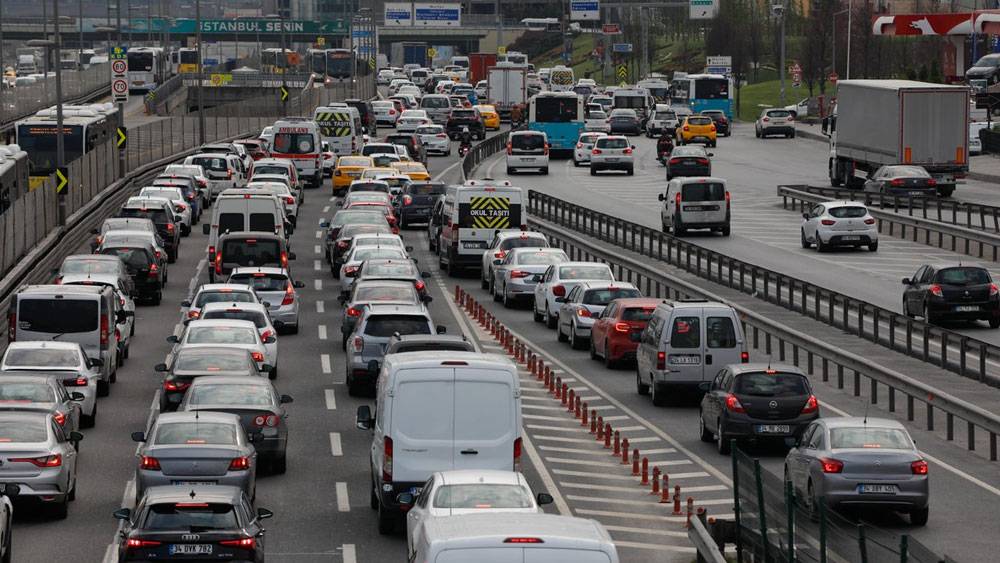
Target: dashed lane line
[(324, 361), (321, 329), (318, 284), (343, 503), (350, 553), (331, 399), (320, 306), (335, 447)]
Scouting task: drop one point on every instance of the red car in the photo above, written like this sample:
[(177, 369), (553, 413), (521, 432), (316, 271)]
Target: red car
[(615, 335), (255, 147)]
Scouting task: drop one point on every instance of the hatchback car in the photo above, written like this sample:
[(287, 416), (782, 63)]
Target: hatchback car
[(527, 149), (612, 152), (190, 363), (902, 181), (597, 121), (688, 161), (775, 122), (580, 308), (416, 200), (584, 145), (696, 129), (465, 118), (491, 119), (624, 121), (224, 332), (355, 256), (366, 347), (839, 223), (396, 270), (253, 312), (216, 292), (435, 139), (617, 330), (411, 142), (758, 402), (517, 273), (366, 293), (41, 458), (502, 243), (946, 292), (147, 270), (112, 224), (722, 126), (276, 289), (348, 169)]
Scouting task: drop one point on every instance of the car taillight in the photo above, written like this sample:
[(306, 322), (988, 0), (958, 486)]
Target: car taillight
[(677, 200), (137, 543), (211, 254), (579, 145), (870, 221), (519, 274), (149, 463), (181, 207), (342, 244), (518, 447), (267, 334), (154, 270), (828, 222), (349, 271), (935, 290), (595, 151), (60, 418), (546, 149), (896, 182), (830, 465), (284, 259), (744, 357), (765, 119), (628, 150), (661, 360), (157, 255), (194, 314), (686, 128), (243, 543), (419, 285), (58, 280), (387, 460), (711, 127), (994, 289), (229, 174), (239, 463), (675, 161), (189, 197), (509, 149), (203, 184), (105, 332), (170, 227), (441, 136), (218, 263), (919, 467), (257, 356), (733, 404), (407, 199), (622, 327), (932, 182), (359, 344), (392, 112), (289, 200), (729, 200), (265, 419), (353, 312), (75, 382), (583, 312), (812, 405), (702, 161), (559, 290), (175, 386)]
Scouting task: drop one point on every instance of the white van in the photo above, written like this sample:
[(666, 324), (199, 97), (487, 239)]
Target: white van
[(472, 215), (244, 210), (561, 79), (298, 139), (434, 414), (695, 203), (339, 127), (514, 538), (223, 171)]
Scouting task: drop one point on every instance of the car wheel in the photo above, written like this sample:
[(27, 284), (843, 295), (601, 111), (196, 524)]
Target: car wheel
[(372, 497), (103, 388), (656, 394), (293, 329), (353, 389), (820, 245), (721, 438), (482, 280), (545, 171), (60, 510), (575, 342), (756, 133), (994, 322), (706, 436), (813, 507), (273, 373), (158, 297), (727, 230), (792, 136), (640, 387), (510, 171), (508, 301), (805, 243), (593, 350), (550, 320), (630, 171), (873, 247), (72, 492), (919, 517), (493, 291), (386, 521), (609, 362)]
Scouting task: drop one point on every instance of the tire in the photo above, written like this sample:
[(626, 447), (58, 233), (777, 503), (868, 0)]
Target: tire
[(994, 322), (609, 362), (593, 171), (792, 136), (721, 438), (640, 387), (575, 342), (386, 521), (372, 497), (508, 301), (493, 292), (712, 144), (928, 317), (158, 297), (756, 133), (630, 171), (294, 329), (727, 230), (919, 517), (820, 245), (706, 436), (873, 247), (510, 171), (72, 492), (273, 374), (576, 163), (805, 243), (559, 334), (593, 351), (482, 280), (813, 508), (656, 392), (353, 389), (536, 316), (61, 510), (89, 420), (550, 321), (545, 171)]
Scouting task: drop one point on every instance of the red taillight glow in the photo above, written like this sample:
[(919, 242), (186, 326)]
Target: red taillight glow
[(622, 327), (175, 386), (284, 259), (353, 312), (136, 543), (359, 344), (932, 182), (935, 290), (744, 357), (628, 150), (194, 314), (733, 404), (830, 465), (812, 405), (289, 200), (387, 460), (267, 334), (994, 289), (559, 290), (60, 418), (257, 356), (583, 312), (154, 270), (509, 149), (419, 285), (896, 182), (218, 264), (244, 543), (170, 227), (595, 151), (519, 274), (149, 463), (407, 200), (75, 382), (661, 360), (241, 463), (265, 419), (919, 467), (523, 540), (579, 145), (105, 331), (828, 222), (289, 297)]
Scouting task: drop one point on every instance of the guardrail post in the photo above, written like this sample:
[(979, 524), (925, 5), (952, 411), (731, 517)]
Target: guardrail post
[(790, 511), (862, 544), (762, 516), (737, 511), (930, 415)]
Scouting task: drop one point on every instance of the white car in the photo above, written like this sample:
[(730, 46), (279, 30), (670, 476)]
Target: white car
[(385, 113), (384, 76), (775, 122), (275, 288), (839, 223), (597, 121), (412, 123), (502, 243), (201, 333), (397, 83), (470, 491), (515, 277), (481, 88), (584, 304), (253, 312), (975, 143), (527, 149), (82, 373), (585, 144), (410, 90), (359, 254), (126, 327), (284, 195), (434, 138), (558, 281), (7, 520), (612, 152), (218, 292)]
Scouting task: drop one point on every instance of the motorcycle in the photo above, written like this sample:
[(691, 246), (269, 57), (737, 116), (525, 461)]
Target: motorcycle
[(663, 151), (464, 150)]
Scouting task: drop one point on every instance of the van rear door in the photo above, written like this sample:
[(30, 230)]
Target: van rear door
[(684, 346), (421, 425), (724, 343), (703, 202), (511, 554), (65, 318), (542, 554), (485, 419), (481, 213)]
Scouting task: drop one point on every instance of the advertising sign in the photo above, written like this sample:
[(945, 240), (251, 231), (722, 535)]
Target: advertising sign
[(398, 14), (580, 10), (437, 15)]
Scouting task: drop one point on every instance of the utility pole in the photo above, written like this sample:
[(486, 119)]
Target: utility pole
[(850, 8), (644, 22), (499, 27), (45, 36), (60, 141), (128, 6), (779, 11), (284, 62), (79, 20), (201, 99)]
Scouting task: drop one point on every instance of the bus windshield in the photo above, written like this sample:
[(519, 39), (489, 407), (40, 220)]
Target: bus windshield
[(338, 64), (39, 141), (189, 57), (140, 62), (711, 89), (317, 62), (556, 110)]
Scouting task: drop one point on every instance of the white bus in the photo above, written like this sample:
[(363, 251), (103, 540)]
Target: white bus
[(148, 67), (84, 128)]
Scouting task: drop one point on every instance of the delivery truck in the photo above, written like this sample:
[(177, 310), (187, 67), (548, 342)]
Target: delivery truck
[(409, 52), (880, 122), (479, 65), (506, 88)]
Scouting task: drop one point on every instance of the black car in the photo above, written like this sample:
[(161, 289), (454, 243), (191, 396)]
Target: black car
[(172, 523), (688, 161), (721, 121), (416, 201), (142, 265), (757, 402), (412, 143), (624, 121), (946, 292), (160, 212), (902, 180), (364, 107), (461, 118), (190, 363)]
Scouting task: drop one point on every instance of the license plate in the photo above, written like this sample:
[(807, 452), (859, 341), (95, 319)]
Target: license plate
[(611, 160), (851, 237), (916, 193), (190, 549), (420, 211), (474, 244), (528, 158), (192, 483), (869, 489), (685, 360), (694, 208), (773, 429), (966, 308)]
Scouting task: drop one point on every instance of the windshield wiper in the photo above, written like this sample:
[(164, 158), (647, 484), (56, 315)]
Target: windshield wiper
[(61, 334)]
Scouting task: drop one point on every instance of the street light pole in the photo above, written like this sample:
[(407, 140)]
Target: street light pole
[(79, 50), (201, 100), (850, 8), (60, 141), (499, 27), (781, 15)]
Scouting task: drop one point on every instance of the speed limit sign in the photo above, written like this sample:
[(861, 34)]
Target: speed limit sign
[(119, 87), (119, 67)]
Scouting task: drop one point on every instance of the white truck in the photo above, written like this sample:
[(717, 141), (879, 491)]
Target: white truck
[(506, 87), (881, 122)]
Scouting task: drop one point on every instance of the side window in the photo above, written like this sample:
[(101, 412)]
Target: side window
[(816, 438), (425, 493), (727, 381), (57, 431), (549, 273), (816, 211), (720, 332), (807, 434), (611, 311), (650, 330), (573, 294), (719, 377), (928, 275), (509, 258), (686, 332), (919, 274)]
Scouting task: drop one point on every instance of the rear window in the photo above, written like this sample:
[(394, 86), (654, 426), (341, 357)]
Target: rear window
[(720, 332), (214, 164), (606, 143), (230, 395), (251, 252), (760, 384), (847, 212), (359, 218), (190, 516), (585, 273), (158, 216), (256, 317), (708, 191), (864, 437), (527, 142), (779, 113), (374, 253), (270, 169), (58, 316), (607, 295), (263, 222), (962, 276), (387, 325), (385, 293), (393, 269), (637, 314), (661, 115), (232, 222), (41, 357), (210, 362), (425, 189), (539, 258), (84, 266), (463, 114), (23, 431), (221, 335), (597, 115), (206, 297), (294, 143), (686, 332), (699, 120), (23, 392), (195, 433), (480, 495), (261, 282)]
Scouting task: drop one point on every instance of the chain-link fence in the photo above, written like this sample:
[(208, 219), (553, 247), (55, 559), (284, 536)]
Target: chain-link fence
[(27, 98)]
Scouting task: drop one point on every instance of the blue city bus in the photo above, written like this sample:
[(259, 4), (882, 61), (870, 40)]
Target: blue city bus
[(703, 91), (559, 115)]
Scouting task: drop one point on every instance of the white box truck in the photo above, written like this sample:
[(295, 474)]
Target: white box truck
[(880, 122), (506, 87)]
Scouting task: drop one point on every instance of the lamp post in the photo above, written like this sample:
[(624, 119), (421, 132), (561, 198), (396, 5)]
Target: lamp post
[(850, 9), (200, 98), (778, 11), (60, 140)]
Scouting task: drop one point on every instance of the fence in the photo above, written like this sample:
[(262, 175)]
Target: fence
[(77, 86), (482, 151)]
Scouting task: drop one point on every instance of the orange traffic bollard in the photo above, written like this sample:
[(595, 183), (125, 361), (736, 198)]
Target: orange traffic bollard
[(541, 369), (559, 386), (677, 500), (635, 461), (583, 415), (600, 428), (607, 436), (571, 399), (665, 491), (576, 407), (458, 293), (656, 481), (625, 451), (645, 471), (565, 394), (690, 511), (618, 445)]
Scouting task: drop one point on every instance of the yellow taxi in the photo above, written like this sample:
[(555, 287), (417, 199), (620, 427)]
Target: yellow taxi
[(415, 170), (696, 129), (348, 169), (491, 119)]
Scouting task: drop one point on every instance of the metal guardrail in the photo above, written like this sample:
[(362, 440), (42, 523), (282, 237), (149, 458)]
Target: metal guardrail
[(482, 151), (156, 99), (78, 87), (703, 542), (248, 80), (754, 280), (971, 242)]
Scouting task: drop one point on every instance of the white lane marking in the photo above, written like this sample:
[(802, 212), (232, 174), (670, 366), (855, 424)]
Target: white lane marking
[(324, 360), (326, 209), (566, 440), (320, 307), (647, 531), (109, 553), (317, 249), (590, 462), (631, 515), (331, 399), (350, 553), (195, 281), (446, 170), (335, 448), (593, 408), (333, 199), (322, 332), (343, 503), (317, 266), (318, 284), (655, 546), (319, 234)]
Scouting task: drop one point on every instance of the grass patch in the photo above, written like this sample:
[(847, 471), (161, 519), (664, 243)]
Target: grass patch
[(756, 97)]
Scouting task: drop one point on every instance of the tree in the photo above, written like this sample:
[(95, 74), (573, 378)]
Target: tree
[(819, 31)]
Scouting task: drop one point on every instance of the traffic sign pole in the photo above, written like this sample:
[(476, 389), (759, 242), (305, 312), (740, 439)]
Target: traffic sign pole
[(119, 91)]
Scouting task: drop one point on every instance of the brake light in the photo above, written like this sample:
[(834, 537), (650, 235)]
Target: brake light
[(75, 382), (711, 128), (243, 543), (387, 460), (149, 463), (919, 467), (229, 174), (341, 244), (518, 447), (627, 151), (579, 145), (289, 200), (265, 419), (170, 227), (595, 151), (190, 197), (935, 290), (105, 332), (744, 357), (257, 356), (239, 463), (622, 327), (60, 418), (284, 259), (359, 344), (559, 290), (519, 274), (194, 314), (994, 289), (896, 182), (870, 221), (677, 200), (156, 253), (765, 119), (267, 334), (349, 271), (675, 161), (353, 312), (441, 136), (729, 199), (218, 263), (812, 405), (523, 540), (136, 543), (702, 161), (932, 182), (546, 149), (830, 465), (211, 253), (733, 404), (583, 312), (419, 285), (686, 128), (154, 270), (407, 199), (828, 222), (661, 360), (392, 112), (58, 280), (175, 386), (181, 207)]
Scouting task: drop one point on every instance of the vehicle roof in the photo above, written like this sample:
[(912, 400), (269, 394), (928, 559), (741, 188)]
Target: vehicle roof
[(225, 306), (98, 257), (598, 284), (274, 270), (269, 160), (504, 234), (220, 286), (692, 304), (251, 235), (638, 301), (383, 282), (700, 180), (201, 493), (25, 377), (12, 417), (195, 323), (900, 84), (753, 367), (232, 380), (855, 421), (497, 526), (200, 416), (59, 290), (476, 476), (431, 359)]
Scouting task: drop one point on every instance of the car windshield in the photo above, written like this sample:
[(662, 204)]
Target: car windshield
[(868, 437), (210, 362), (210, 163), (484, 496), (539, 258), (230, 395), (85, 266), (962, 276), (260, 281), (26, 392), (23, 431), (256, 317), (604, 296), (259, 169), (354, 161), (585, 273), (213, 433), (386, 293), (221, 335), (251, 252), (637, 314), (228, 295), (190, 516), (385, 326), (763, 384), (847, 212)]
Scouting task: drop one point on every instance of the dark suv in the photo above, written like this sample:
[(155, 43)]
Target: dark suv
[(142, 265), (412, 143), (160, 212), (470, 118), (250, 248), (415, 202), (721, 122), (945, 292)]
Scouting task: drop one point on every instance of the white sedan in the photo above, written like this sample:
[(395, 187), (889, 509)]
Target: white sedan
[(584, 145), (558, 281)]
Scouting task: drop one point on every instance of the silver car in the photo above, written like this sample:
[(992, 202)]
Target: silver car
[(516, 276), (65, 360), (854, 461), (41, 393), (274, 286), (366, 346), (354, 258), (40, 457), (583, 305), (255, 313), (435, 140), (219, 292), (224, 332), (195, 448), (558, 281), (366, 293), (502, 243)]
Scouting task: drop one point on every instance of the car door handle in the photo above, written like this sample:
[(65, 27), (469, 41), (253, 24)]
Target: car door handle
[(469, 452), (708, 359)]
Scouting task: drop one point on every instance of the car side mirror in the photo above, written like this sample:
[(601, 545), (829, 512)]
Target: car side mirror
[(160, 367), (409, 249), (285, 399), (405, 498), (266, 304), (186, 304), (264, 514), (907, 281), (633, 147), (364, 419), (661, 197), (441, 329), (96, 362), (270, 340), (138, 436), (291, 256), (173, 339), (77, 396), (206, 228), (298, 285), (705, 386), (805, 216), (75, 437), (544, 498), (122, 514), (425, 274), (710, 154), (427, 299)]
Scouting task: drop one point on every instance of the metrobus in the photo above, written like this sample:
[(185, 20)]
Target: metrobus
[(658, 88), (559, 115), (542, 24), (513, 57), (13, 174), (84, 128), (271, 61), (339, 62), (147, 68), (703, 91), (561, 78), (186, 59)]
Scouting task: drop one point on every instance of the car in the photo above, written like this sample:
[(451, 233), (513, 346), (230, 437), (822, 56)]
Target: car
[(159, 528), (481, 87), (400, 344), (612, 152), (190, 363), (366, 293), (695, 203), (502, 243), (260, 408), (948, 292), (718, 116), (341, 246), (64, 360), (366, 345), (113, 224), (527, 149), (466, 90), (410, 123), (411, 142), (839, 223), (396, 270), (84, 267), (280, 190), (975, 141), (584, 146), (616, 332), (199, 333), (560, 279), (355, 256), (257, 313), (196, 448), (255, 148), (688, 161), (663, 120), (43, 393), (597, 121), (125, 305), (276, 289), (580, 307), (491, 119), (863, 462), (415, 201), (367, 190), (40, 458), (461, 119), (143, 262), (376, 148), (434, 139), (189, 188), (414, 171), (216, 292), (515, 277), (437, 106), (901, 181), (8, 491), (469, 491), (696, 129), (175, 196), (459, 101), (280, 167), (242, 249), (367, 113), (624, 121), (775, 122), (162, 215), (759, 402), (344, 217), (348, 169), (196, 173)]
